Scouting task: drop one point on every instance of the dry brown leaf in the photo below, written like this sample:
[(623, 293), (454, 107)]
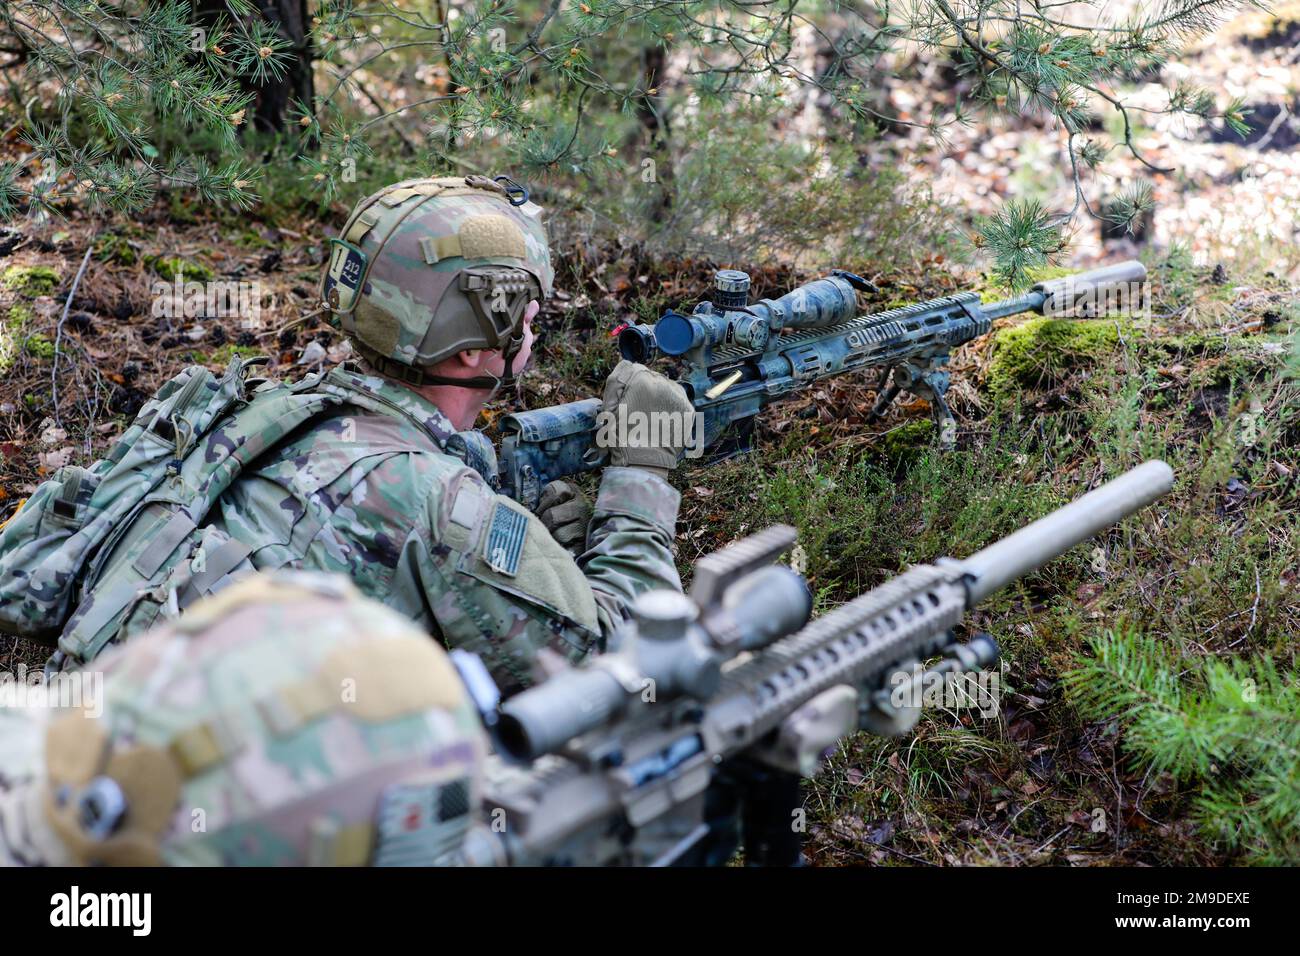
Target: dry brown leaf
[(54, 460)]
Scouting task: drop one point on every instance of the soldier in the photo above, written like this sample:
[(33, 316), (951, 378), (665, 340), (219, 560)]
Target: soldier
[(286, 721), (436, 282)]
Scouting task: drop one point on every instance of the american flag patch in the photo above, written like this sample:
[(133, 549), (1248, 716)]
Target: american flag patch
[(505, 540), (420, 822)]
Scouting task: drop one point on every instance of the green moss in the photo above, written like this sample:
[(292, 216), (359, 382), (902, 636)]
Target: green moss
[(112, 247), (252, 239), (170, 267), (19, 315), (1215, 360), (39, 346), (1041, 353), (11, 327), (1193, 343), (223, 355), (6, 348), (1233, 368), (903, 444), (30, 280)]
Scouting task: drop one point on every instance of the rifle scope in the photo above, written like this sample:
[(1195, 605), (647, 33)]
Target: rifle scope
[(674, 648), (729, 320)]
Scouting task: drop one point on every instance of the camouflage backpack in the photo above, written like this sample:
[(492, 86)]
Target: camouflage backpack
[(102, 551)]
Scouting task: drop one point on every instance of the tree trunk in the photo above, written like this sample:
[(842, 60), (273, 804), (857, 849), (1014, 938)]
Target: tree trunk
[(275, 97), (652, 112)]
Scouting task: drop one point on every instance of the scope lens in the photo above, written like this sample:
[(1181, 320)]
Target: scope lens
[(635, 344), (674, 334), (513, 738)]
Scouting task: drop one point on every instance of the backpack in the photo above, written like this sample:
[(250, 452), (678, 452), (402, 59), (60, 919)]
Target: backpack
[(99, 553)]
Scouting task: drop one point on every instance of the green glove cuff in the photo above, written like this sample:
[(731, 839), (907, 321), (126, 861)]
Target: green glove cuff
[(638, 493)]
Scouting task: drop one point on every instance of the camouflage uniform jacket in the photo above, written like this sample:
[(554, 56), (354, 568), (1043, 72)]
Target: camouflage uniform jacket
[(372, 492)]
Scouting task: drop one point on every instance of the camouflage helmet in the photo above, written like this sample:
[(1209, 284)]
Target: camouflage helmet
[(285, 721), (427, 268)]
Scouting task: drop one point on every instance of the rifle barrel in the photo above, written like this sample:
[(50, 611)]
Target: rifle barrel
[(1037, 543), (1031, 301)]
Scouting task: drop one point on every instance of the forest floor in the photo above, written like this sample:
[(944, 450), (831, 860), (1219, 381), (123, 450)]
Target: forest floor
[(1207, 380)]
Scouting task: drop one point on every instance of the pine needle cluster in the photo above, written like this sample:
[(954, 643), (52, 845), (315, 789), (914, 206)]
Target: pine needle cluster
[(1228, 729), (121, 99)]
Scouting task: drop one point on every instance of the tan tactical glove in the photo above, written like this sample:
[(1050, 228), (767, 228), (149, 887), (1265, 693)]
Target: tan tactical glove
[(646, 420), (566, 512)]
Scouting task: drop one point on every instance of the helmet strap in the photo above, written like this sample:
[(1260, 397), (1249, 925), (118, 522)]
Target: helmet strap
[(420, 377)]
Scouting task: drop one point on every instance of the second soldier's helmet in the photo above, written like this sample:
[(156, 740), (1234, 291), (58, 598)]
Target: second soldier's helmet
[(427, 268), (285, 721)]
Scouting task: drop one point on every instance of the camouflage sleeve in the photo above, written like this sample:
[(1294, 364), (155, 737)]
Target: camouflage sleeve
[(497, 583), (630, 541), (21, 761)]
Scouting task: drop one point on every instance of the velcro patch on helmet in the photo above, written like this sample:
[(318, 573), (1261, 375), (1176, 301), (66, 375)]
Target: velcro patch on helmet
[(380, 681), (418, 822), (75, 748), (491, 237), (107, 807), (505, 540), (343, 277)]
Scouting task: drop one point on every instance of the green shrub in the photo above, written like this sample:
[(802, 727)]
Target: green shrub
[(733, 193), (1229, 727)]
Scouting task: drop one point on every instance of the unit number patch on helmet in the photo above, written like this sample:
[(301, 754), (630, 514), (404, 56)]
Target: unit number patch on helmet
[(344, 276), (505, 540)]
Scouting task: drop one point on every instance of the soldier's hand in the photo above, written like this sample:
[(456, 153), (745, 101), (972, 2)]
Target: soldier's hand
[(566, 513), (646, 417)]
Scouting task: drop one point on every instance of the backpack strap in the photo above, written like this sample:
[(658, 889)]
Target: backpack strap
[(222, 453), (216, 572), (176, 530)]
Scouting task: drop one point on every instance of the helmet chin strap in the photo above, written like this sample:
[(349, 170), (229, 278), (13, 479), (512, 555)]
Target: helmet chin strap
[(491, 382)]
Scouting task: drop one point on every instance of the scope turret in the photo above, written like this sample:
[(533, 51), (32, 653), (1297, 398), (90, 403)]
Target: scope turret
[(730, 289)]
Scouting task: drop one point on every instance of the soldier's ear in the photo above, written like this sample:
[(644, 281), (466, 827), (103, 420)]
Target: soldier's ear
[(471, 358)]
